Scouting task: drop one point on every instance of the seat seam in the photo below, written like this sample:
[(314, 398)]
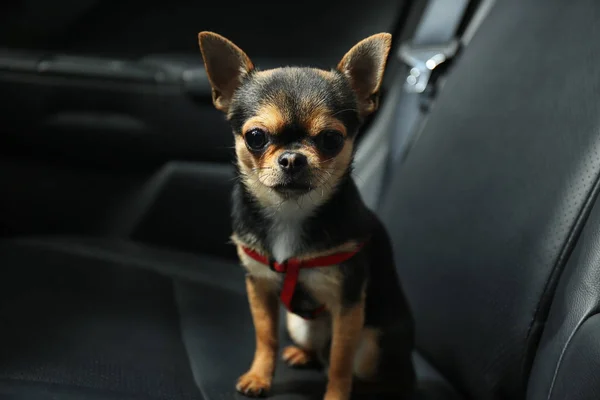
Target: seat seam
[(583, 320), (457, 389), (102, 254), (544, 304)]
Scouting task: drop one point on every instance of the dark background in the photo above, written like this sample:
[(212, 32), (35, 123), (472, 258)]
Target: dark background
[(107, 125)]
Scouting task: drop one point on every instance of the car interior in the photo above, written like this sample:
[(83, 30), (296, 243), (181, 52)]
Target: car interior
[(118, 277)]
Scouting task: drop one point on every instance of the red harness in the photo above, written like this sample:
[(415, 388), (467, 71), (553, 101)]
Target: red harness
[(291, 268)]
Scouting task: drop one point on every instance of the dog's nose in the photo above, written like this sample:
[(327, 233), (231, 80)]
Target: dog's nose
[(292, 162)]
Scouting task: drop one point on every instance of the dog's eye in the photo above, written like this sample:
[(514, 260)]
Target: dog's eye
[(331, 141), (256, 139)]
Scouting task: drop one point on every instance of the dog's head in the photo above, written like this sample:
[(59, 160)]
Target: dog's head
[(294, 127)]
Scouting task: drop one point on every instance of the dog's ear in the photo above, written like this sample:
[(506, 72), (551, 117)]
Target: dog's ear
[(225, 65), (364, 65)]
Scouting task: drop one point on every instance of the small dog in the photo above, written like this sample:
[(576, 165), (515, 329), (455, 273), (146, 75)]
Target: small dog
[(301, 229)]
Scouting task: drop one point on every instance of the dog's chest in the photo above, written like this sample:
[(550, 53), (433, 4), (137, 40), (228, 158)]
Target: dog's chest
[(316, 280), (285, 237), (285, 244), (285, 241)]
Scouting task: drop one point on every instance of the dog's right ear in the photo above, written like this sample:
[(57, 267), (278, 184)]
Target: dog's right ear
[(364, 65), (225, 64)]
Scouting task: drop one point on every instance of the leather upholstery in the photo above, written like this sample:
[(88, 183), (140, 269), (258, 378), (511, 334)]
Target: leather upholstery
[(209, 293), (486, 210), (577, 374), (568, 358)]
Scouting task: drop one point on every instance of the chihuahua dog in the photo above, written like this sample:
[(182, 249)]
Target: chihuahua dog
[(301, 229)]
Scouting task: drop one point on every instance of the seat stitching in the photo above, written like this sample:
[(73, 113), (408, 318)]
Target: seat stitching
[(543, 307), (583, 320)]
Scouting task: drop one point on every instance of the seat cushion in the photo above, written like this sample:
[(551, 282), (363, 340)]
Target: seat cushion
[(86, 327), (92, 318)]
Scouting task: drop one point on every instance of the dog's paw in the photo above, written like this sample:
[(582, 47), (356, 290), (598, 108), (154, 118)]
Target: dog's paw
[(336, 396), (296, 357), (340, 394), (253, 385)]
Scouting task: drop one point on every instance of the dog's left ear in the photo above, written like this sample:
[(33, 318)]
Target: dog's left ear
[(225, 65), (364, 65)]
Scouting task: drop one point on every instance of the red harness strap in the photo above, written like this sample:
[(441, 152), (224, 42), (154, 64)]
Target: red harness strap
[(291, 268)]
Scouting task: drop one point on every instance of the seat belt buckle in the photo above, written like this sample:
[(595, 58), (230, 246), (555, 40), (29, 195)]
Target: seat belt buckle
[(422, 61)]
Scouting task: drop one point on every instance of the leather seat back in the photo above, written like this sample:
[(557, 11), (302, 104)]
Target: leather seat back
[(487, 209)]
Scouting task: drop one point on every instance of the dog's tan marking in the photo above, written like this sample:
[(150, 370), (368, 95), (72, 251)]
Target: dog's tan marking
[(258, 173), (346, 333), (264, 308), (340, 162), (269, 117), (255, 177), (331, 169), (316, 116), (296, 357), (244, 157), (268, 159), (319, 122)]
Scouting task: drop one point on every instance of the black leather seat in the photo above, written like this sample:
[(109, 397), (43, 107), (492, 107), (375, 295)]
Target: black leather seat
[(111, 290), (495, 228)]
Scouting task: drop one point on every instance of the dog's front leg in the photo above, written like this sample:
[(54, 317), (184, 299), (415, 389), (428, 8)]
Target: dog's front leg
[(346, 330), (264, 307)]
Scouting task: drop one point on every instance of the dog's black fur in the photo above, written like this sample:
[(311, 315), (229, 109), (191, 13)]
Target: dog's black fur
[(341, 216)]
